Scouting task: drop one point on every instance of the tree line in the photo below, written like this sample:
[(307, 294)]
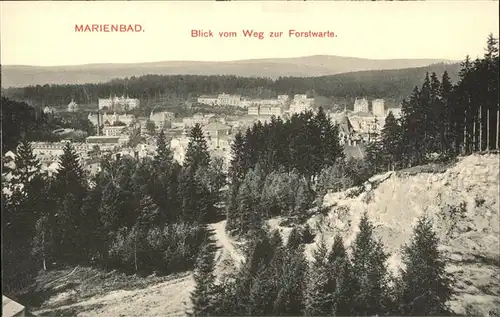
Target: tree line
[(392, 85), (276, 169), (139, 216), (276, 279), (441, 120)]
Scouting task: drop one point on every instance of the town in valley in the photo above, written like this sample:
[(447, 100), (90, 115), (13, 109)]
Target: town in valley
[(114, 126)]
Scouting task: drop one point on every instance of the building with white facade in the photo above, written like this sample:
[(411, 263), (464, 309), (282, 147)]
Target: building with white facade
[(118, 103), (197, 118), (111, 119), (378, 107), (72, 106), (161, 119), (259, 110), (300, 97), (361, 105), (109, 130), (283, 98), (228, 100), (49, 152), (301, 103), (208, 100), (270, 111), (298, 107), (253, 110), (104, 142)]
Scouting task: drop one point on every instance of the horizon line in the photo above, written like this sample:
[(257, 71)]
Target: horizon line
[(234, 60)]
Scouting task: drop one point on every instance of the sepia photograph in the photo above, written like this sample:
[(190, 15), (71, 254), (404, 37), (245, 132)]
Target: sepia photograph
[(250, 158)]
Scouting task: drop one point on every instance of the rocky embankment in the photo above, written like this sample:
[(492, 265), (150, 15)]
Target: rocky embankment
[(463, 202)]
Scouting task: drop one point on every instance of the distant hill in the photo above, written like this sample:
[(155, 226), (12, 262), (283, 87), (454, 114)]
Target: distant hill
[(392, 85), (310, 66)]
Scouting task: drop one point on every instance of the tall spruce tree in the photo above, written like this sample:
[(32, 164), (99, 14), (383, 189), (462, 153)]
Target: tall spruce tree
[(27, 164), (293, 284), (318, 299), (491, 104), (391, 141), (70, 175), (203, 296), (197, 151), (425, 286), (163, 185), (70, 189), (412, 123), (340, 279), (239, 162), (436, 114), (294, 239), (163, 157), (369, 272), (426, 131), (448, 137)]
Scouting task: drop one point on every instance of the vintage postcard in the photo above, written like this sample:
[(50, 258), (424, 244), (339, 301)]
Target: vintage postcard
[(250, 158)]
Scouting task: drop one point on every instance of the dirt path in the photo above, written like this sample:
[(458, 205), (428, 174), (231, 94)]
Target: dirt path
[(226, 243)]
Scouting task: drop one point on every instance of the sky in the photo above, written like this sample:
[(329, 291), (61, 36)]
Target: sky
[(43, 33)]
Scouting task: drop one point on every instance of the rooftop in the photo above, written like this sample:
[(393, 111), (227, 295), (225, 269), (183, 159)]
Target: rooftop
[(345, 125)]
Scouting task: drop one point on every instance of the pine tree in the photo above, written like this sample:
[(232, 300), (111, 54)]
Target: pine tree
[(92, 229), (147, 215), (391, 140), (70, 175), (246, 215), (197, 151), (293, 283), (340, 270), (425, 286), (448, 137), (163, 157), (436, 114), (491, 48), (425, 104), (203, 296), (261, 297), (412, 123), (369, 272), (318, 300), (189, 195), (491, 93), (276, 240), (239, 162), (332, 152), (70, 189), (27, 165), (18, 232), (294, 239), (211, 179), (464, 92)]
